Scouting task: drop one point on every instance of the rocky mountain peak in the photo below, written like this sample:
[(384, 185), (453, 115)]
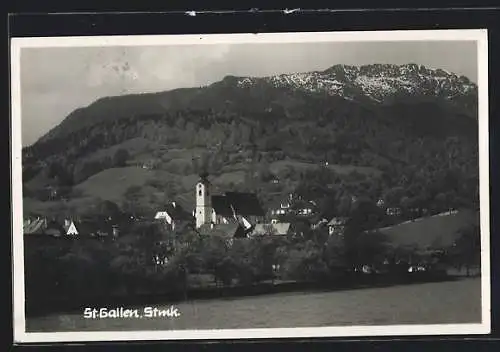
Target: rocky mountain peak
[(375, 81)]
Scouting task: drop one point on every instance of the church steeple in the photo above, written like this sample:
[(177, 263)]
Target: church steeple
[(203, 212)]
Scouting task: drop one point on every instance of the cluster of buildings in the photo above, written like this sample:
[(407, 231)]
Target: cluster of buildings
[(239, 214), (231, 214), (99, 228)]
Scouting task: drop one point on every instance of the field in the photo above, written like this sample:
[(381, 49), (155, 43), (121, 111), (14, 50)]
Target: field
[(181, 153), (452, 302), (423, 231), (278, 167), (40, 181), (236, 177), (111, 184), (34, 206)]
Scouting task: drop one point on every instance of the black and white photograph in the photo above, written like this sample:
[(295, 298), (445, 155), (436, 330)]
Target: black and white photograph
[(269, 185)]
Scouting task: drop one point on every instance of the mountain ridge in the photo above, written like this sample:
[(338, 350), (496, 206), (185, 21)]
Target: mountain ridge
[(366, 84)]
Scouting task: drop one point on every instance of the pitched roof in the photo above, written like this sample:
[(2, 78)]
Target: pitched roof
[(245, 203), (322, 222), (280, 229), (337, 221), (35, 227), (224, 230), (177, 212), (66, 226), (222, 206)]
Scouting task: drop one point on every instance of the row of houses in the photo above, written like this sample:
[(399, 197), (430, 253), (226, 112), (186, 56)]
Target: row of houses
[(234, 213), (98, 227), (297, 206)]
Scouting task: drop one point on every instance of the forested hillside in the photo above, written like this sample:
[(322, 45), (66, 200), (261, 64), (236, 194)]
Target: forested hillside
[(405, 134)]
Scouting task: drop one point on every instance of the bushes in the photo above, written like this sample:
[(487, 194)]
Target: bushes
[(305, 263), (82, 268)]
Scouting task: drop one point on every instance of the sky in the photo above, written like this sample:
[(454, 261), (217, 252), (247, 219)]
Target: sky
[(56, 81)]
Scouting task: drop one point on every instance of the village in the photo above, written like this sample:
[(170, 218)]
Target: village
[(233, 214)]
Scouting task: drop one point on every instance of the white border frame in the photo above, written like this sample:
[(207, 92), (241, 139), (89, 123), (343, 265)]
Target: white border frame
[(478, 35)]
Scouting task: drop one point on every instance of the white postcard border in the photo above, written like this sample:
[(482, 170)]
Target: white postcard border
[(21, 336)]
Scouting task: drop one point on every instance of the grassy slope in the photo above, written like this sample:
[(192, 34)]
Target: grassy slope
[(422, 232), (278, 166), (111, 184), (32, 206), (40, 181)]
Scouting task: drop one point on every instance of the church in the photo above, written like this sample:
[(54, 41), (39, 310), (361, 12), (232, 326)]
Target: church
[(229, 208)]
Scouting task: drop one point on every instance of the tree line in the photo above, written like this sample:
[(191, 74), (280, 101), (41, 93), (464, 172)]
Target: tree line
[(423, 167), (150, 259)]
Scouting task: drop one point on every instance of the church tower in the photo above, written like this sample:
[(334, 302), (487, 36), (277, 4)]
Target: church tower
[(203, 210)]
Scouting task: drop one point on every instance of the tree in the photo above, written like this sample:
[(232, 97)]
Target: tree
[(121, 157), (132, 196), (334, 255), (466, 251), (305, 263), (441, 201), (393, 196), (365, 214), (363, 246), (344, 205), (212, 253), (109, 208)]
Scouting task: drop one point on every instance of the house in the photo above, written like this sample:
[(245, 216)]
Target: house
[(174, 215), (273, 229), (393, 211), (70, 228), (228, 232), (336, 226), (319, 224), (304, 208), (305, 211), (147, 164), (283, 207), (35, 226), (43, 226), (232, 207)]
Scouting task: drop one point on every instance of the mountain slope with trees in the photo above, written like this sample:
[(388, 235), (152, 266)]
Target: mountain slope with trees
[(416, 128)]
